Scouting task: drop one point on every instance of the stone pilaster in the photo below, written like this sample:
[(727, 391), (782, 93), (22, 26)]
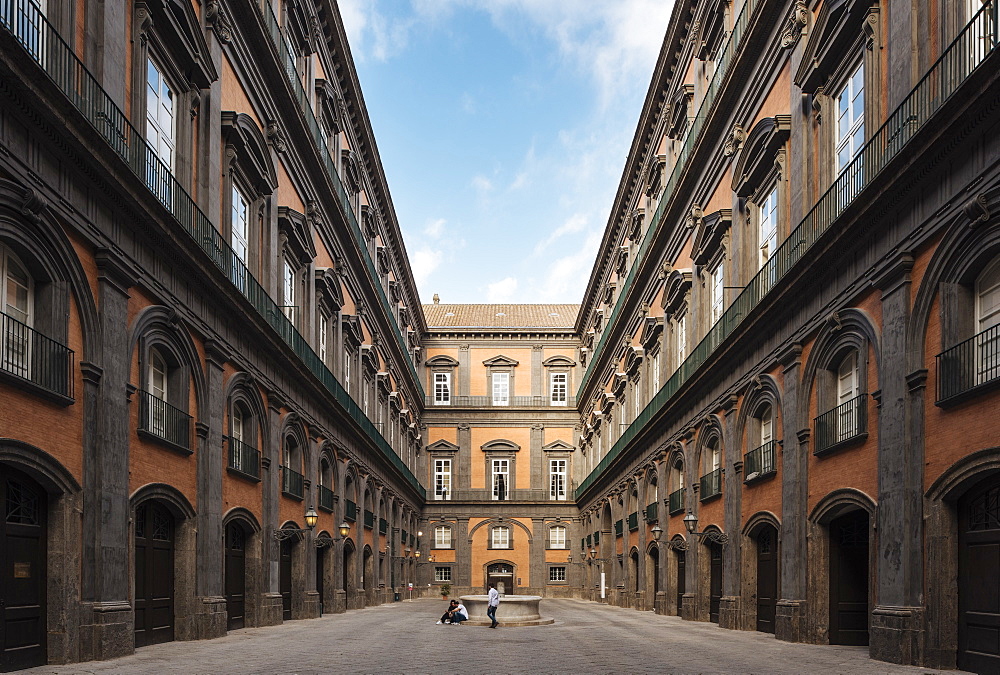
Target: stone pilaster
[(464, 457), (537, 376), (539, 474), (729, 604)]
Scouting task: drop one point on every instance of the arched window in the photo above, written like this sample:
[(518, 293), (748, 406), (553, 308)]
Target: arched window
[(244, 458), (291, 463), (500, 537), (987, 323), (711, 468), (18, 309), (442, 536), (759, 460), (158, 390), (557, 537), (325, 485), (676, 497)]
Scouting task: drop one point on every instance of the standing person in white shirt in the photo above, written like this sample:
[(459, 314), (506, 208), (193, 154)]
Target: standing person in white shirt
[(494, 602)]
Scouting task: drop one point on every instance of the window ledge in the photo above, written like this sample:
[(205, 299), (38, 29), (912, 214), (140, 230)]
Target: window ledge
[(709, 498), (971, 392), (840, 445), (244, 475), (324, 508), (296, 497), (150, 436), (443, 548), (558, 583), (501, 548), (37, 389), (760, 478)]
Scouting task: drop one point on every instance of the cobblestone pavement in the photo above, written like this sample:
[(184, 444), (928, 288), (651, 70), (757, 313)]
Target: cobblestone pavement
[(403, 638)]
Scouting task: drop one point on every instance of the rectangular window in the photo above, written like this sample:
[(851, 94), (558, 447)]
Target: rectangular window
[(442, 574), (500, 537), (442, 388), (557, 479), (558, 385), (348, 358), (322, 337), (557, 537), (442, 536), (239, 238), (636, 401), (766, 433), (442, 479), (161, 132), (501, 388), (288, 289), (718, 291), (768, 229), (557, 574), (682, 340), (851, 118), (654, 367), (501, 475)]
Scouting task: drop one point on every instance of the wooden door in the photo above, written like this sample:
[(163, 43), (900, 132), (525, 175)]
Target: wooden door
[(285, 579), (154, 574), (236, 576), (767, 578), (320, 557), (23, 574), (715, 582), (681, 579), (979, 579), (849, 579)]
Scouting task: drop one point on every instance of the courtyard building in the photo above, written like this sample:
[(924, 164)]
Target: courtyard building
[(225, 406)]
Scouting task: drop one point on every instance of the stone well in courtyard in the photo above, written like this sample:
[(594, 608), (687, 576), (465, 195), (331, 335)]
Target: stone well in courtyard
[(514, 610)]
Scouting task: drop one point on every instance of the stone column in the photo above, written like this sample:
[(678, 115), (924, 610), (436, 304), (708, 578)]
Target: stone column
[(464, 370), (107, 619), (464, 458), (729, 605), (791, 607), (271, 612), (897, 620), (539, 475), (537, 380), (536, 568), (211, 619), (690, 599), (310, 600)]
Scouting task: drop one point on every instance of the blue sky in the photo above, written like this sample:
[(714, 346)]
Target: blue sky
[(503, 127)]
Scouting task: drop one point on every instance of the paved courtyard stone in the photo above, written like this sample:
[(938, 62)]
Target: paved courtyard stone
[(586, 637)]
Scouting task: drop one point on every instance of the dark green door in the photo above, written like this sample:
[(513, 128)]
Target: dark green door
[(22, 579)]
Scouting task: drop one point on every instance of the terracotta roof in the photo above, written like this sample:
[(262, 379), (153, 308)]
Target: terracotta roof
[(500, 316)]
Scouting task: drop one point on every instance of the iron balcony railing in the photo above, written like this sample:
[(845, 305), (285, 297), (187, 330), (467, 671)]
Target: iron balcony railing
[(31, 356), (651, 512), (759, 462), (413, 540), (711, 485), (597, 537), (618, 528), (44, 44), (526, 495), (633, 521), (162, 420), (243, 458), (969, 365), (369, 520), (974, 44), (325, 498), (509, 402), (402, 537), (288, 63), (843, 424), (675, 501), (292, 483), (383, 525), (590, 540), (351, 511)]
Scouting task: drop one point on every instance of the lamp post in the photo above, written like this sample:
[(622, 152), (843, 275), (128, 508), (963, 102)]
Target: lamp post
[(311, 517), (602, 562), (691, 525)]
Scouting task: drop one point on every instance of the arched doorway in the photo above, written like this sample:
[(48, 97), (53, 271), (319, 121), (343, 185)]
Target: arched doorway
[(236, 575), (978, 571), (767, 577), (347, 569), (501, 574), (285, 577), (849, 565), (714, 581), (368, 582), (154, 573), (653, 572), (23, 534), (681, 578), (634, 569)]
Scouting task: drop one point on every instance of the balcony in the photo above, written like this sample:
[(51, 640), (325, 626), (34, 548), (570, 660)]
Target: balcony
[(486, 495), (369, 520), (618, 528), (244, 459), (969, 367), (509, 402), (325, 498), (711, 485), (163, 422), (351, 511), (651, 513), (383, 525), (292, 483), (30, 356), (633, 521), (675, 502), (845, 424), (759, 462)]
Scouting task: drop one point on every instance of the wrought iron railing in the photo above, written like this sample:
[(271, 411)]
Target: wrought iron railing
[(619, 527), (369, 520), (292, 483), (31, 356), (159, 418), (974, 44), (845, 423), (44, 44), (759, 462), (711, 485), (597, 537), (383, 525), (590, 540), (526, 495), (244, 458), (675, 501), (288, 63), (651, 512), (969, 365), (351, 511), (325, 498), (509, 402), (633, 521)]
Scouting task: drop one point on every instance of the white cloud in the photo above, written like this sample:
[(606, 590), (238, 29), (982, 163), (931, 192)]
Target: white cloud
[(567, 276), (501, 291), (435, 228), (574, 224), (482, 183), (424, 261)]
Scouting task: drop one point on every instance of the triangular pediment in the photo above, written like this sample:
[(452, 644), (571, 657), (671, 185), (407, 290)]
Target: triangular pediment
[(442, 446), (500, 361), (558, 446)]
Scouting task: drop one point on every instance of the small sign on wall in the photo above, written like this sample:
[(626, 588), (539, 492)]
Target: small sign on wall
[(22, 570)]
